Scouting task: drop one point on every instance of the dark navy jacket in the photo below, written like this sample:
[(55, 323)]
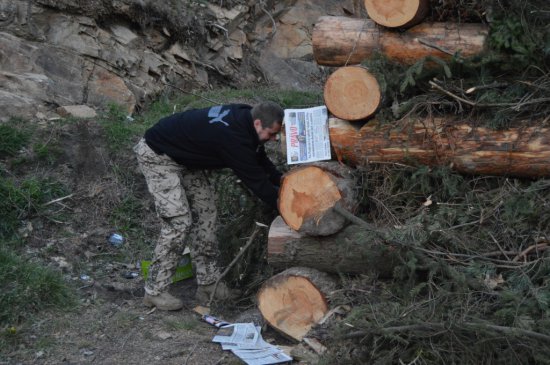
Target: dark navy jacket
[(218, 137)]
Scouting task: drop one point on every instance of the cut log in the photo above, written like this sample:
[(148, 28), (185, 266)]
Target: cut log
[(309, 192), (352, 93), (397, 13), (353, 250), (342, 41), (466, 148), (295, 300)]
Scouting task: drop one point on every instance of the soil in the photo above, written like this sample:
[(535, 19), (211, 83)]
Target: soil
[(113, 327), (110, 325)]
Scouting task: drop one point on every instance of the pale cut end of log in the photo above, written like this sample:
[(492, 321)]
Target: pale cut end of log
[(308, 193), (295, 300), (352, 93), (397, 13)]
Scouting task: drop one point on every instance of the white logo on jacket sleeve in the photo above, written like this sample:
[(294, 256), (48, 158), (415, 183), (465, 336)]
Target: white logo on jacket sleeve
[(217, 115)]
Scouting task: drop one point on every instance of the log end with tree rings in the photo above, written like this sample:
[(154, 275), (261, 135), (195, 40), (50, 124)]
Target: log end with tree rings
[(295, 300), (352, 93), (308, 193), (397, 13)]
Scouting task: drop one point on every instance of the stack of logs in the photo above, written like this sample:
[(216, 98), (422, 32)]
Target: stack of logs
[(311, 237)]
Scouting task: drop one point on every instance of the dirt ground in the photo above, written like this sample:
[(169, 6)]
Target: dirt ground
[(110, 325), (113, 327)]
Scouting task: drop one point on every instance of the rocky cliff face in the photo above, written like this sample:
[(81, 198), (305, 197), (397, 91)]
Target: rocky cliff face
[(66, 52)]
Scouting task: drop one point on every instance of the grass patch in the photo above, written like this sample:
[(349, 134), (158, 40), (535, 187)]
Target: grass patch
[(126, 216), (21, 200), (47, 152), (124, 320), (119, 129), (12, 137), (122, 131), (27, 288), (183, 324)]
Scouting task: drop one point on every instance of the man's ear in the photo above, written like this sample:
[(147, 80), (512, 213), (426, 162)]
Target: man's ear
[(257, 124)]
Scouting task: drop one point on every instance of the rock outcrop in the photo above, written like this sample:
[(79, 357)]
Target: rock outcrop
[(69, 52)]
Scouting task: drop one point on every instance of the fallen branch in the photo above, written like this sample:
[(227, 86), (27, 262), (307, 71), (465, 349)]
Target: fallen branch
[(58, 200), (190, 353), (356, 220), (243, 250), (524, 253), (489, 105)]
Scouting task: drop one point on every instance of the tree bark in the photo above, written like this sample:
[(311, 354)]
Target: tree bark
[(342, 41), (352, 93), (397, 13), (465, 147), (353, 250), (308, 194), (295, 299)]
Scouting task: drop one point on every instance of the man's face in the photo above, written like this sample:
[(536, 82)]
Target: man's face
[(267, 134)]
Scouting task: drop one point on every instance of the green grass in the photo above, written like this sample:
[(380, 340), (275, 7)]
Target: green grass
[(186, 323), (124, 320), (126, 215), (286, 98), (127, 219), (122, 132), (12, 137), (23, 199), (119, 130), (27, 288), (47, 152)]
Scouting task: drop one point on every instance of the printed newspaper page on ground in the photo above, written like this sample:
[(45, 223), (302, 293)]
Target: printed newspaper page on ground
[(307, 136)]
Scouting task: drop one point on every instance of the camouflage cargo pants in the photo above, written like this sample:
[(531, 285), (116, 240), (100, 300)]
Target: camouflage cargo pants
[(184, 200)]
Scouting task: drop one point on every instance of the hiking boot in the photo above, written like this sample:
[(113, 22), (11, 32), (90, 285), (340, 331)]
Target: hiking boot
[(163, 301), (222, 293)]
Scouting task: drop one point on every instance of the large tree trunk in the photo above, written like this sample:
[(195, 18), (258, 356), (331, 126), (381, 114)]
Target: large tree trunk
[(353, 250), (295, 300), (309, 192), (397, 13), (466, 148), (342, 41), (352, 93)]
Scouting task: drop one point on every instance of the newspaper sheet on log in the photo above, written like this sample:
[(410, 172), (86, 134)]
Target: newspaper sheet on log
[(307, 135)]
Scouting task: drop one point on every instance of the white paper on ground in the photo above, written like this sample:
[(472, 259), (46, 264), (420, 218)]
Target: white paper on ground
[(246, 342)]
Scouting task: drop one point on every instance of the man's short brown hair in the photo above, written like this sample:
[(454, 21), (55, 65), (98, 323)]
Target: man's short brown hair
[(268, 113)]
